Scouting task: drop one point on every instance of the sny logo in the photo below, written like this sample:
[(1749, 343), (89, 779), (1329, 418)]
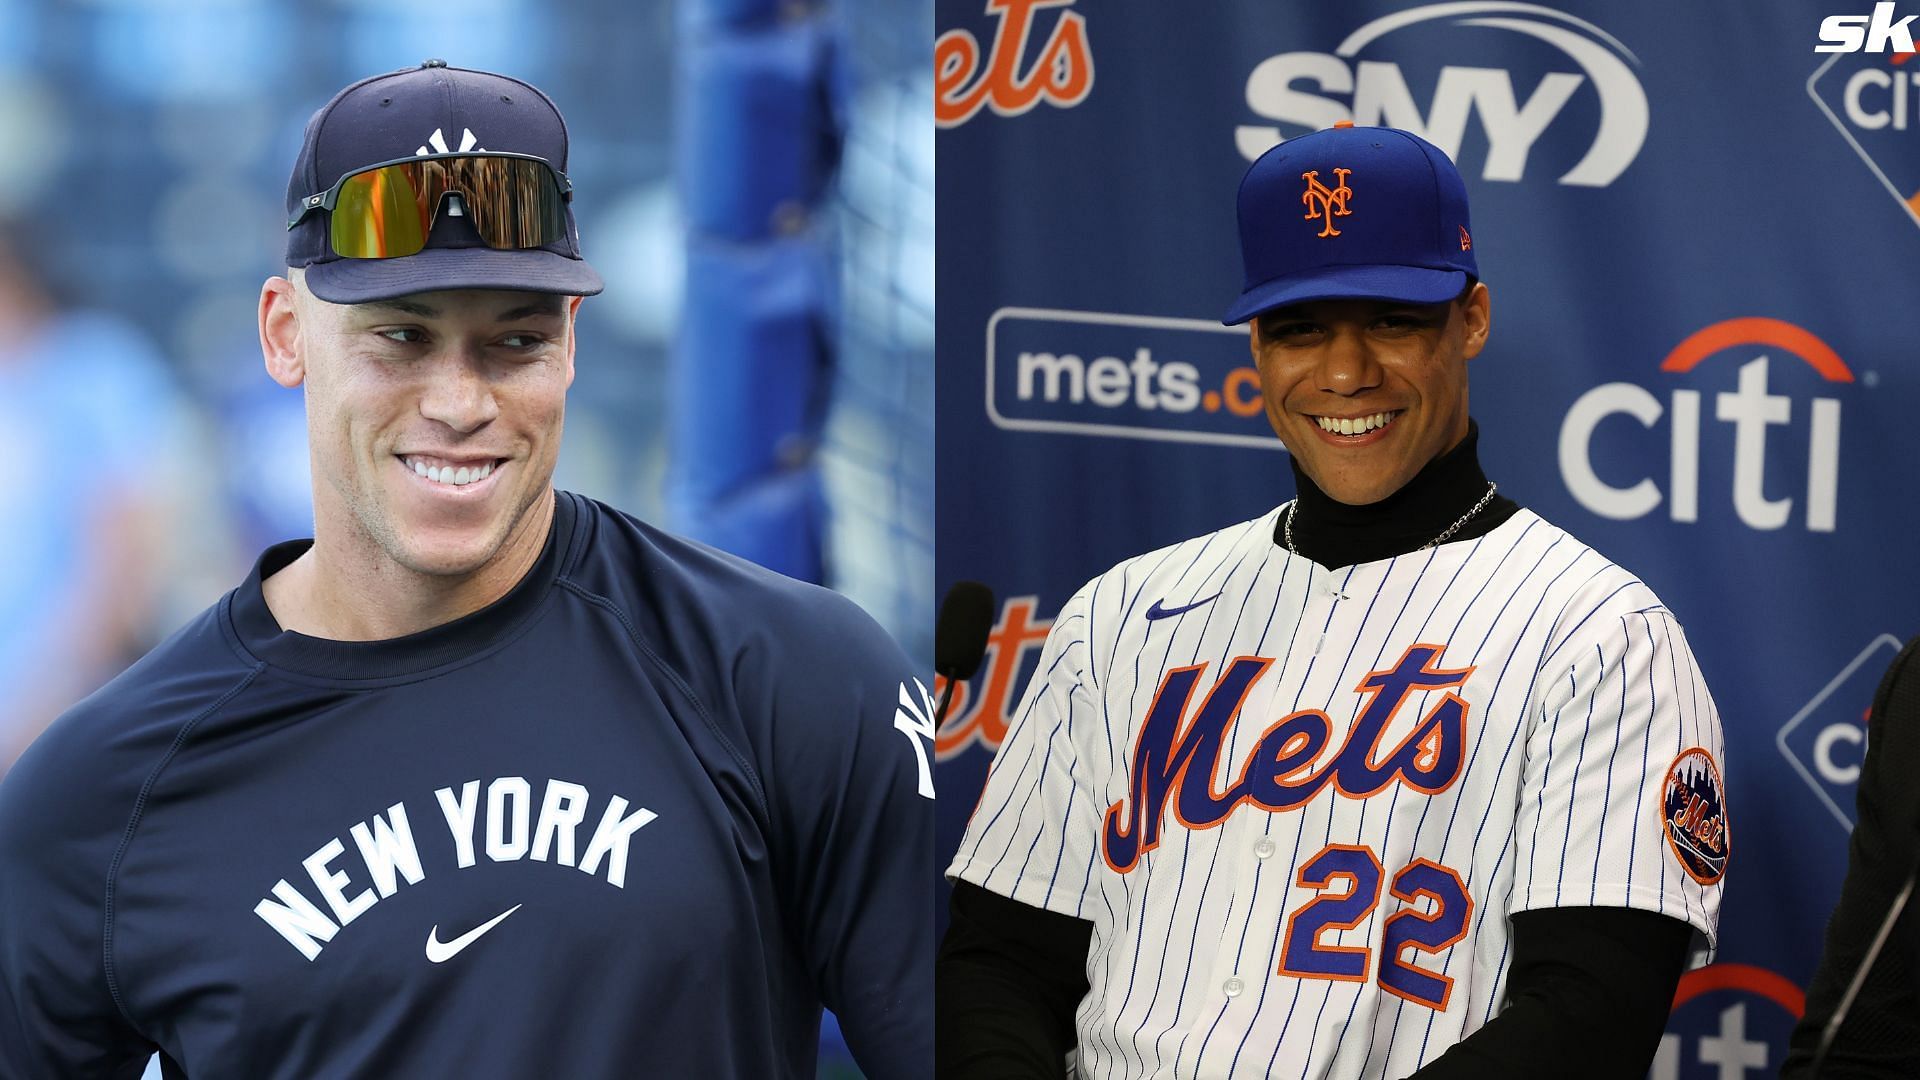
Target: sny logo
[(1322, 202), (1174, 761), (1876, 33), (1063, 74), (1314, 90)]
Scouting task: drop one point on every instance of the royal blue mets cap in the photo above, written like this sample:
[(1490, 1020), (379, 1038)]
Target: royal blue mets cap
[(1367, 213), (426, 110)]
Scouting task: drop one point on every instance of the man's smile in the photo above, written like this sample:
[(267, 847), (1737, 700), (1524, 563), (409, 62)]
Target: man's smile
[(1355, 430), (452, 473)]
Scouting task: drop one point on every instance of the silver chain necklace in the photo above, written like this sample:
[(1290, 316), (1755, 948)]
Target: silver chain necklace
[(1287, 526)]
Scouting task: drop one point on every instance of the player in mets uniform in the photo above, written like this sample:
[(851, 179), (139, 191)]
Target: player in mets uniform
[(1397, 779), (485, 780)]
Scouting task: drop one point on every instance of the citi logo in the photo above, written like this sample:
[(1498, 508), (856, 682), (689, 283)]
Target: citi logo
[(1375, 92), (437, 144), (1749, 408), (1875, 33), (1061, 73)]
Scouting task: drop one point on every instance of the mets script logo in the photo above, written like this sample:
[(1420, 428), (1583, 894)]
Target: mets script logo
[(1175, 758), (1696, 816), (1062, 75), (1325, 203)]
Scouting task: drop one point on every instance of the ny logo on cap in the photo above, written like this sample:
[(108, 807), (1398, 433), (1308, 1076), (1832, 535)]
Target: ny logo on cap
[(1325, 203), (437, 144)]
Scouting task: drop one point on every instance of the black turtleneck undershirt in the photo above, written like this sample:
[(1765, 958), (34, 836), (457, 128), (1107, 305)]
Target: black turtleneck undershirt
[(1589, 989), (1336, 534)]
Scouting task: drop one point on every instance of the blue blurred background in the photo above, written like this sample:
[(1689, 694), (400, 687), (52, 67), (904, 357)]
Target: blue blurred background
[(754, 181)]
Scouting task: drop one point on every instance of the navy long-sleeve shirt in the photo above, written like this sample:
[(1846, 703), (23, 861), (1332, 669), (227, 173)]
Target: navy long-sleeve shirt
[(642, 816)]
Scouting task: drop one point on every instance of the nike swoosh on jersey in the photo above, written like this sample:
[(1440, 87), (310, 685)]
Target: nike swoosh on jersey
[(440, 952), (1158, 612)]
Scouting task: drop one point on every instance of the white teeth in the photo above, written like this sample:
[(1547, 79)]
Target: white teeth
[(450, 475), (1348, 426)]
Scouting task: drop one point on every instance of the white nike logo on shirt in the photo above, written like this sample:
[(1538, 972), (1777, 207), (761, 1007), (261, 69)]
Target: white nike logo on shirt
[(440, 952)]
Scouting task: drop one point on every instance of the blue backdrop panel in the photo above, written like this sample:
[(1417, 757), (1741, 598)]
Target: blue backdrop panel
[(1700, 237), (750, 368)]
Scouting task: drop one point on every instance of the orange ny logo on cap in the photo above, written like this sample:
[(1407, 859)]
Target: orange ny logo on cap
[(1326, 203), (1466, 242)]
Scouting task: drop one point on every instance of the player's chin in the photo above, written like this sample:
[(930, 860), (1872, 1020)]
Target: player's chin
[(1359, 483), (440, 551)]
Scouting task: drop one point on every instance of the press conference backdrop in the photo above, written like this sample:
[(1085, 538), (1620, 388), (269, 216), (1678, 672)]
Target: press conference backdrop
[(1701, 238)]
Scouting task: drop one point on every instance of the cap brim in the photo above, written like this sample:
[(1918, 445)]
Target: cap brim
[(437, 269), (1402, 284)]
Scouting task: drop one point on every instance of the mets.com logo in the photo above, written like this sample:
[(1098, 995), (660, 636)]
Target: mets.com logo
[(1773, 459), (1361, 81), (1869, 90), (1124, 376)]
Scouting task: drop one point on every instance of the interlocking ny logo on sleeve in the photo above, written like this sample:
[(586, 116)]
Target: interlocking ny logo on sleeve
[(1324, 202)]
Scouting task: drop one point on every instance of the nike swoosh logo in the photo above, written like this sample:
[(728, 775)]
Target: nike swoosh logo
[(440, 952), (1158, 612)]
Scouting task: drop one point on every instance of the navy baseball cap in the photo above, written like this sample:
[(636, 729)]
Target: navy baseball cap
[(428, 110), (1366, 213)]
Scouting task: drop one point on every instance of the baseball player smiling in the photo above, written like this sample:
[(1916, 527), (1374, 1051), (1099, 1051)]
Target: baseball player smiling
[(485, 779), (1396, 779)]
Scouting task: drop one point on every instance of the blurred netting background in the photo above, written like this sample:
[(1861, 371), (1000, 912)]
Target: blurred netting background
[(754, 181)]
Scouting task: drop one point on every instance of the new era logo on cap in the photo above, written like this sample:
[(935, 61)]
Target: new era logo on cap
[(1386, 218)]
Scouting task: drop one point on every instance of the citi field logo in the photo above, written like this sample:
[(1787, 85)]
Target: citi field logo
[(1061, 75), (1826, 739), (1868, 92), (1372, 91), (1124, 377), (1760, 346), (1733, 1018)]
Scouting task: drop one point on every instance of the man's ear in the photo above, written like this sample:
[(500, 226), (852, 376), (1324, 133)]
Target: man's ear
[(280, 332), (1477, 311), (573, 312)]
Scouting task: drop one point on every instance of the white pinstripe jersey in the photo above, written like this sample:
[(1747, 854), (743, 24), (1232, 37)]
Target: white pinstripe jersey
[(1298, 804)]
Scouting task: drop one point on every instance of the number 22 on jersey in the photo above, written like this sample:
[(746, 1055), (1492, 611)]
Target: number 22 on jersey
[(1305, 956)]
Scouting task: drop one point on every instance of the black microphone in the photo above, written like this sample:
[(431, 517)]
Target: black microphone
[(960, 637), (1832, 1029)]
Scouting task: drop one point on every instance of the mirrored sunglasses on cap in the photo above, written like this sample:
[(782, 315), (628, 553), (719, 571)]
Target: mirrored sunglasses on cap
[(386, 211)]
